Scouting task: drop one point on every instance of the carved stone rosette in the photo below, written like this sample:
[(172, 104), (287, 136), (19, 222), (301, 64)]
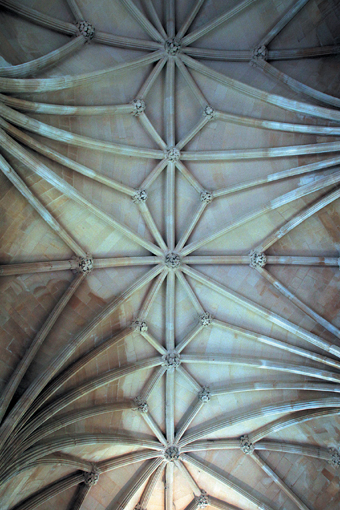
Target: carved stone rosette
[(171, 453), (172, 260), (138, 107), (257, 259), (139, 507), (139, 326), (85, 264), (142, 404), (245, 444), (91, 478), (172, 154), (209, 112), (172, 46), (206, 196), (86, 29), (206, 319), (171, 361), (334, 461), (259, 53), (202, 500), (204, 395), (140, 196)]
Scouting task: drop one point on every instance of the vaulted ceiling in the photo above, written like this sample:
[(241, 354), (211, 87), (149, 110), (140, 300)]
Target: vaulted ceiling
[(170, 254)]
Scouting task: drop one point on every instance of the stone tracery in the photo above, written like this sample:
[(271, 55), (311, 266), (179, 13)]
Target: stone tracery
[(172, 360)]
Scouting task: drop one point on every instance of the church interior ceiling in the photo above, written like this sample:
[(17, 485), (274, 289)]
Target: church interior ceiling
[(169, 265)]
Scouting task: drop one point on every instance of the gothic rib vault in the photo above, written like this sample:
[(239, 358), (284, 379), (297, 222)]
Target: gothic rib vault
[(170, 338)]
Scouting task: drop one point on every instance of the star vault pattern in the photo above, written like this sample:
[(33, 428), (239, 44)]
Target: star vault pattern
[(28, 424)]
